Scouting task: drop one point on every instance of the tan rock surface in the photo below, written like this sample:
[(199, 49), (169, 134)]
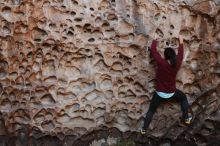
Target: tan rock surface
[(72, 66)]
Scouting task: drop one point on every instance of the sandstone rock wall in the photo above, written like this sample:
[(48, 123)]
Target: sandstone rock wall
[(71, 66)]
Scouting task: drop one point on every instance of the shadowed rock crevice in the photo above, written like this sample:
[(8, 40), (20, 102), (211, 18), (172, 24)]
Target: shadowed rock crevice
[(111, 136)]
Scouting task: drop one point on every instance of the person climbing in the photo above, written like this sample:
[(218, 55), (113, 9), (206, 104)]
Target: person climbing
[(166, 82)]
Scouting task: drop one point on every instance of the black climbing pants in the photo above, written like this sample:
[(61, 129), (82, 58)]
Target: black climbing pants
[(179, 96)]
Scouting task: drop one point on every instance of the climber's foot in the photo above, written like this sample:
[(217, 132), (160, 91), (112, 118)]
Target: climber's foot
[(141, 136), (143, 131), (187, 121)]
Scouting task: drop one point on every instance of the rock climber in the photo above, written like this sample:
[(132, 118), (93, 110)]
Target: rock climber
[(166, 90)]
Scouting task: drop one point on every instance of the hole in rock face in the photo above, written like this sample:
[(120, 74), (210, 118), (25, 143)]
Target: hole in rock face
[(21, 116), (117, 37), (48, 125), (70, 33), (171, 26), (159, 32), (98, 19), (78, 26), (3, 69), (52, 25), (73, 13), (156, 17), (64, 37), (75, 2), (87, 50), (131, 35), (69, 20), (6, 10), (112, 17), (91, 40), (86, 26), (46, 3), (3, 65), (47, 99), (1, 88), (6, 30), (78, 19), (37, 40), (164, 17), (105, 24), (92, 9), (120, 81), (71, 28), (38, 34)]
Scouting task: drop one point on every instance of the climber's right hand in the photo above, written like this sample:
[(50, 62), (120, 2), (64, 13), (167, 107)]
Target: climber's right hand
[(155, 36)]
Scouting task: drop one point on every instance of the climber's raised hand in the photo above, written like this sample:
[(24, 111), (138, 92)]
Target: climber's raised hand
[(155, 36), (180, 39)]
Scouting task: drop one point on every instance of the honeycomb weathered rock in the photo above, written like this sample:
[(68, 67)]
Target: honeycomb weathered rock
[(72, 66)]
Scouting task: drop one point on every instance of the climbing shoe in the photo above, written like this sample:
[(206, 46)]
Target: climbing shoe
[(141, 137), (188, 121), (143, 132)]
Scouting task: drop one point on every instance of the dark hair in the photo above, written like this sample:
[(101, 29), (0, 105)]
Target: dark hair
[(170, 55)]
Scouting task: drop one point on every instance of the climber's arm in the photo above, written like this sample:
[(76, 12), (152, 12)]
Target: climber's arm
[(156, 55), (180, 52)]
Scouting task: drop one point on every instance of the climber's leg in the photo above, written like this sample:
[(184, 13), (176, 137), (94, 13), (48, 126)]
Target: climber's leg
[(181, 97), (155, 102)]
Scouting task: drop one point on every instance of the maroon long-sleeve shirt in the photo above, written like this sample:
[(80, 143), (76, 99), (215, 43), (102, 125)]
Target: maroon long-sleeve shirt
[(165, 73)]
